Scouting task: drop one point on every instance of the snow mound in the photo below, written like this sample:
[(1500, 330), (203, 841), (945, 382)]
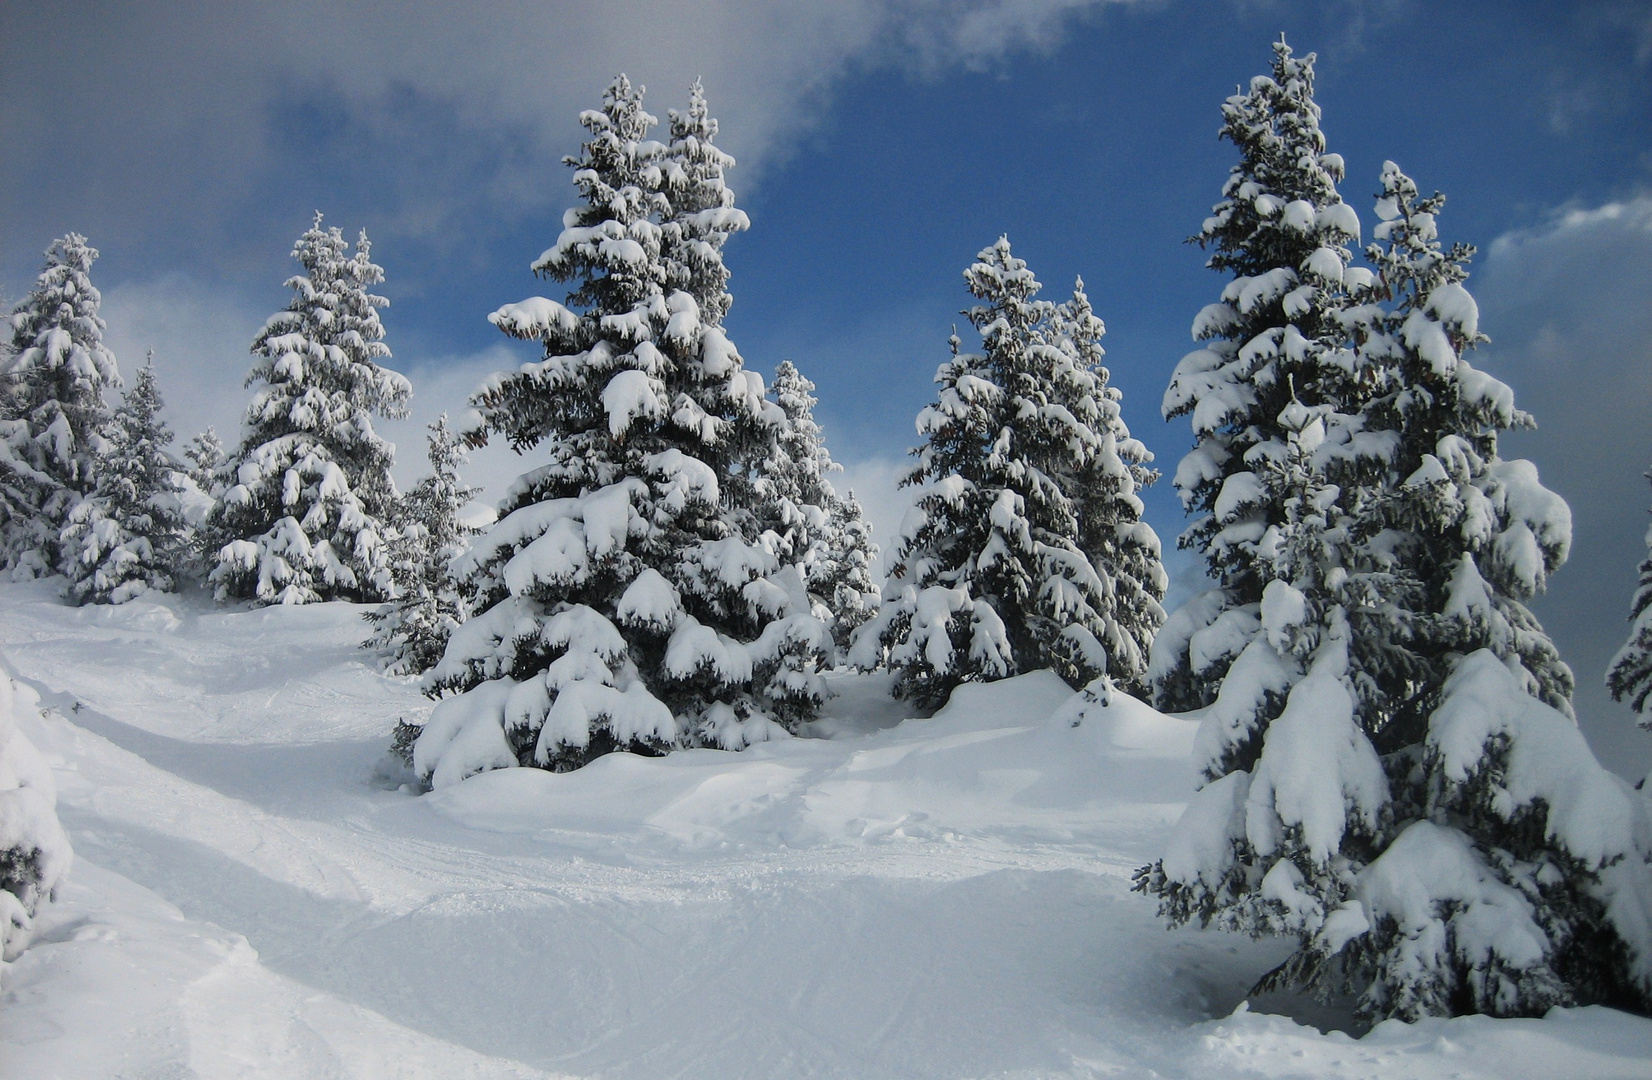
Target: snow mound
[(1591, 1042), (1023, 758), (34, 853)]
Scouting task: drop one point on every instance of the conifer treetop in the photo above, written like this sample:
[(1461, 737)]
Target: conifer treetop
[(1279, 331), (1487, 533), (54, 368), (57, 329), (703, 212), (1284, 187), (610, 245), (442, 494), (636, 330), (413, 628), (329, 336), (806, 458), (140, 416), (205, 453)]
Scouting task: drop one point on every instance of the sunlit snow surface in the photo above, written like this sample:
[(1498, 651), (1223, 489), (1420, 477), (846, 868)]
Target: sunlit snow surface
[(934, 898)]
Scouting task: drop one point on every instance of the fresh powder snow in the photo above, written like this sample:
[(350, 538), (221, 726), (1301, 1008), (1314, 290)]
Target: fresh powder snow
[(253, 895)]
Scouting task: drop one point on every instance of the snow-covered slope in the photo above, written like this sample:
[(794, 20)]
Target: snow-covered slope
[(935, 898)]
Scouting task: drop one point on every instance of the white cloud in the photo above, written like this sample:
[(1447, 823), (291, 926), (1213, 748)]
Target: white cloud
[(173, 121), (174, 107), (1569, 306), (201, 336), (1575, 225)]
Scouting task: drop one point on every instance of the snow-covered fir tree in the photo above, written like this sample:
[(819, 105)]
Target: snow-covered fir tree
[(1501, 812), (1629, 677), (616, 604), (1392, 777), (989, 578), (799, 514), (1277, 335), (205, 454), (701, 219), (1294, 792), (52, 408), (1104, 488), (412, 629), (308, 490), (842, 574), (793, 493), (34, 852), (1481, 535), (1474, 537), (128, 535)]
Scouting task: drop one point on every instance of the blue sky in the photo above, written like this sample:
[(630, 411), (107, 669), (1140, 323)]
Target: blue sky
[(882, 143)]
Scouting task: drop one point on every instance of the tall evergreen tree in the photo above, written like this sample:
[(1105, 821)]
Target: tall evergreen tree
[(413, 628), (205, 454), (617, 604), (1375, 785), (1278, 334), (990, 579), (1294, 791), (52, 409), (128, 535), (1481, 535), (841, 575), (701, 219), (1104, 488), (306, 494), (1629, 677), (799, 515), (793, 493), (1499, 805)]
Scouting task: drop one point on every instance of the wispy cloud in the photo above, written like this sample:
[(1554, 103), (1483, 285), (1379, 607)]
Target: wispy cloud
[(201, 337), (1569, 306), (179, 113)]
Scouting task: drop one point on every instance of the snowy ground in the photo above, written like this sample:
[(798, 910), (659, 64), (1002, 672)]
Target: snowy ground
[(941, 898)]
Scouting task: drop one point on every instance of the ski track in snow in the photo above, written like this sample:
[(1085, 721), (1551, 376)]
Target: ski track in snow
[(942, 898)]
